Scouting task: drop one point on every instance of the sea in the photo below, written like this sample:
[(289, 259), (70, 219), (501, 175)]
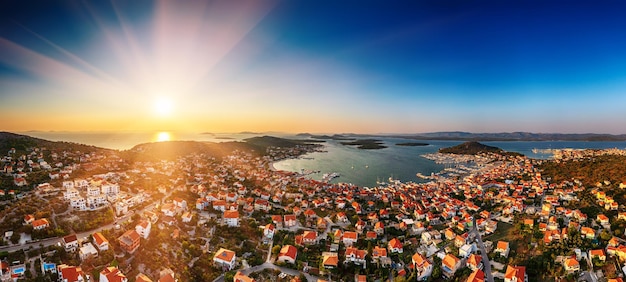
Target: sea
[(357, 166)]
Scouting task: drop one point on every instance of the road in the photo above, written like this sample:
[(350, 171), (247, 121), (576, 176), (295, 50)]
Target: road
[(267, 265), (486, 263)]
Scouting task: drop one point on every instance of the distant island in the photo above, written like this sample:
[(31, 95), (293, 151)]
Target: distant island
[(469, 136), (473, 148), (366, 144), (338, 137), (412, 144), (511, 136)]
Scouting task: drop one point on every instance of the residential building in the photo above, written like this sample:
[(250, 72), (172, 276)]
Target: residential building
[(395, 246), (129, 241), (87, 251), (502, 248), (240, 277), (450, 264), (70, 243), (225, 259), (350, 238), (142, 278), (515, 274), (288, 254), (100, 241), (70, 273), (40, 224), (231, 218), (477, 276), (112, 274), (143, 228)]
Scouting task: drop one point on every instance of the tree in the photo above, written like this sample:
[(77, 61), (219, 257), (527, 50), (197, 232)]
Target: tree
[(15, 238), (229, 276), (275, 250)]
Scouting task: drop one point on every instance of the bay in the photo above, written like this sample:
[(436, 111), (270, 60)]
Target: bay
[(356, 166), (367, 167)]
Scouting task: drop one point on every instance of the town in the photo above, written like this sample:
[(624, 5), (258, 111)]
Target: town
[(99, 215)]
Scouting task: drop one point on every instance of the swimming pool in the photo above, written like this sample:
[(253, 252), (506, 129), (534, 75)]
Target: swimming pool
[(49, 267), (19, 270)]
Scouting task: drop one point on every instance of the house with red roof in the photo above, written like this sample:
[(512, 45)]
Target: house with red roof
[(422, 266), (307, 238), (240, 277), (268, 231), (231, 218), (70, 243), (395, 246), (589, 233), (40, 224), (502, 248), (142, 278), (70, 273), (474, 262), (277, 220), (515, 274), (330, 260), (112, 274), (450, 264), (477, 276), (129, 241), (355, 256), (371, 235), (225, 259), (350, 238), (288, 254), (290, 220), (599, 254), (378, 252), (28, 219), (100, 241)]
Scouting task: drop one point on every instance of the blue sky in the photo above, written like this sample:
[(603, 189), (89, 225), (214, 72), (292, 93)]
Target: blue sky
[(314, 66)]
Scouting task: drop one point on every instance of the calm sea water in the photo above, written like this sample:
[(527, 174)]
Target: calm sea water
[(360, 167), (367, 167)]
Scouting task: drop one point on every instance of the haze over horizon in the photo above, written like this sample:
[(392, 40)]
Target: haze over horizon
[(306, 66)]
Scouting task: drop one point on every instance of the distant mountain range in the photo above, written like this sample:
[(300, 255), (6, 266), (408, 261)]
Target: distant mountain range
[(468, 136), (518, 136)]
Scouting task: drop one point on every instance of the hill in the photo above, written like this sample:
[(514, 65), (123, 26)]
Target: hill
[(589, 171), (470, 148), (21, 143), (173, 149)]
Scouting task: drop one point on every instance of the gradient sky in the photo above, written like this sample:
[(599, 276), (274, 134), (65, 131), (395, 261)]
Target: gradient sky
[(313, 66)]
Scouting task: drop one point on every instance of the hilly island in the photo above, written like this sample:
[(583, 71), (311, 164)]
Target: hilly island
[(200, 211)]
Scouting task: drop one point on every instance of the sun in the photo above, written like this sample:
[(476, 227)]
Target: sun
[(163, 106), (163, 136)]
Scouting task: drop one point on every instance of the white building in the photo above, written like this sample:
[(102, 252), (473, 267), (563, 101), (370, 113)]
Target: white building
[(87, 251), (68, 185), (110, 188), (78, 203), (70, 193), (143, 228), (93, 191)]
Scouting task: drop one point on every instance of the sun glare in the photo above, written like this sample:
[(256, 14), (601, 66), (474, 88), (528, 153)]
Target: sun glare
[(163, 136), (163, 106)]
